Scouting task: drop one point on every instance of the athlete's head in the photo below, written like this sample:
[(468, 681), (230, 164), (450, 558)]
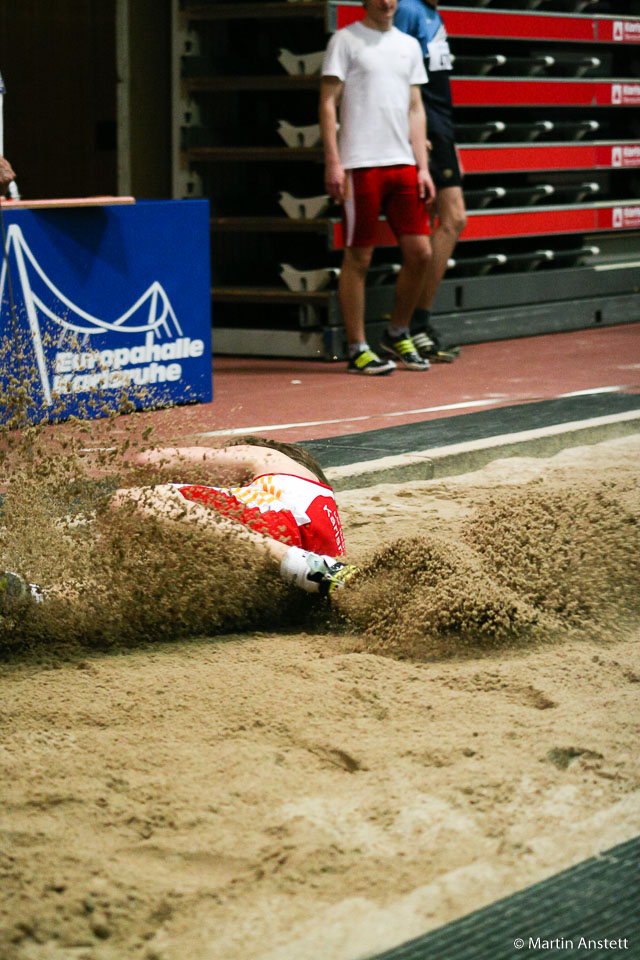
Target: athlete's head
[(299, 454), (379, 14)]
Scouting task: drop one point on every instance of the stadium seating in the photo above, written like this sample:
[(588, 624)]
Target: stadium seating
[(548, 138)]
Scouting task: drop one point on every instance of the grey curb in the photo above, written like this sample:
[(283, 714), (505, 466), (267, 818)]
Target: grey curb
[(463, 457)]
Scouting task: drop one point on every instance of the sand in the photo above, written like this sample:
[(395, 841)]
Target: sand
[(292, 795)]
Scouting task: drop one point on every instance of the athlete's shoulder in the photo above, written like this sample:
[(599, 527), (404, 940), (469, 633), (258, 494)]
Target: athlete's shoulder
[(409, 13), (433, 21), (341, 49), (410, 18), (402, 36), (351, 31), (345, 35), (412, 6), (351, 38)]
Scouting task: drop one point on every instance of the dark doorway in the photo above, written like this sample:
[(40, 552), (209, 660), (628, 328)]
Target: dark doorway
[(57, 58)]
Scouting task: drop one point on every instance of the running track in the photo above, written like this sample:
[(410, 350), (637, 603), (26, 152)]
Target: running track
[(301, 400)]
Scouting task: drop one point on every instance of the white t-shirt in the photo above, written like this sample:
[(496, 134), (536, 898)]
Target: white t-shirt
[(378, 69)]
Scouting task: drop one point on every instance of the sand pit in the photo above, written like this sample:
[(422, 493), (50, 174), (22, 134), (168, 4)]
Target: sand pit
[(308, 795)]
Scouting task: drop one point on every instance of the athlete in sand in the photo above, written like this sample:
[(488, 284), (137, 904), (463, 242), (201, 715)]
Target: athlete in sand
[(278, 498)]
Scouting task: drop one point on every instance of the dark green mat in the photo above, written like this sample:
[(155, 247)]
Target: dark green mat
[(589, 912), (478, 425)]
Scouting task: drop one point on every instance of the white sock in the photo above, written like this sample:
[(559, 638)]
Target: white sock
[(294, 569), (356, 348), (397, 333), (297, 564)]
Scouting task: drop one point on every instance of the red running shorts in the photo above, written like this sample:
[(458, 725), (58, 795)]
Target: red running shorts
[(370, 191)]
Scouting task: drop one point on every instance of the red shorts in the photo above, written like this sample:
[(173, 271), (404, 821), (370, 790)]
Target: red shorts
[(370, 191)]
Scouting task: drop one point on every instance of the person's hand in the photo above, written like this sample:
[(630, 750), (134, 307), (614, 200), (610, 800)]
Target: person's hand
[(334, 180), (426, 188), (7, 174)]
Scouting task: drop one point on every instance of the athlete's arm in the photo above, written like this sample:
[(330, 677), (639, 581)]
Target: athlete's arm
[(334, 176), (167, 503), (7, 174), (418, 139), (228, 465)]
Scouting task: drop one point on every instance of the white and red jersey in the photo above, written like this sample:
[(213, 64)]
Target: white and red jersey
[(290, 509)]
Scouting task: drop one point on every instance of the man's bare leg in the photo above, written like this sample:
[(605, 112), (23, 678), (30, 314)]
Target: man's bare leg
[(416, 260), (452, 217), (396, 340), (351, 290)]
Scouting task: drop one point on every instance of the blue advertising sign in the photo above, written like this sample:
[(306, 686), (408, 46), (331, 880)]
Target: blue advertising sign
[(101, 301)]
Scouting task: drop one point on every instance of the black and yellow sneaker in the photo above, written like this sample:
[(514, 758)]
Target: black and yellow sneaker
[(430, 349), (404, 351), (325, 574), (314, 572), (339, 575), (369, 364)]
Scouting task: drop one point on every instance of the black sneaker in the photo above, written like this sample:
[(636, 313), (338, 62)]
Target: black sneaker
[(13, 587), (404, 351), (369, 364), (429, 349)]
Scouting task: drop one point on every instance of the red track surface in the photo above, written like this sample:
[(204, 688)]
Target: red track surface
[(311, 399)]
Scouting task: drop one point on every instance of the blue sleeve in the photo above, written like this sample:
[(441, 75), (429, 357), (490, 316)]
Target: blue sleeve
[(409, 21)]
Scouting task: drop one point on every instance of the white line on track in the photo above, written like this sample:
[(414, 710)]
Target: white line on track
[(320, 423), (462, 405), (586, 393)]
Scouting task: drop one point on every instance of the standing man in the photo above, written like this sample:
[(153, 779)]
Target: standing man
[(420, 19), (374, 72)]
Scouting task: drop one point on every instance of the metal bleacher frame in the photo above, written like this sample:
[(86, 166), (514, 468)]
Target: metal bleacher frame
[(580, 264)]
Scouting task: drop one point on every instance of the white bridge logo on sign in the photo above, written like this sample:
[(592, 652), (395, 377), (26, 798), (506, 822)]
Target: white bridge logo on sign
[(82, 370)]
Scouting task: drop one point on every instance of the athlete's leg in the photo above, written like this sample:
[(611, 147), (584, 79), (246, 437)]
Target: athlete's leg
[(416, 257), (351, 290), (452, 218), (450, 208), (360, 211), (408, 217)]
